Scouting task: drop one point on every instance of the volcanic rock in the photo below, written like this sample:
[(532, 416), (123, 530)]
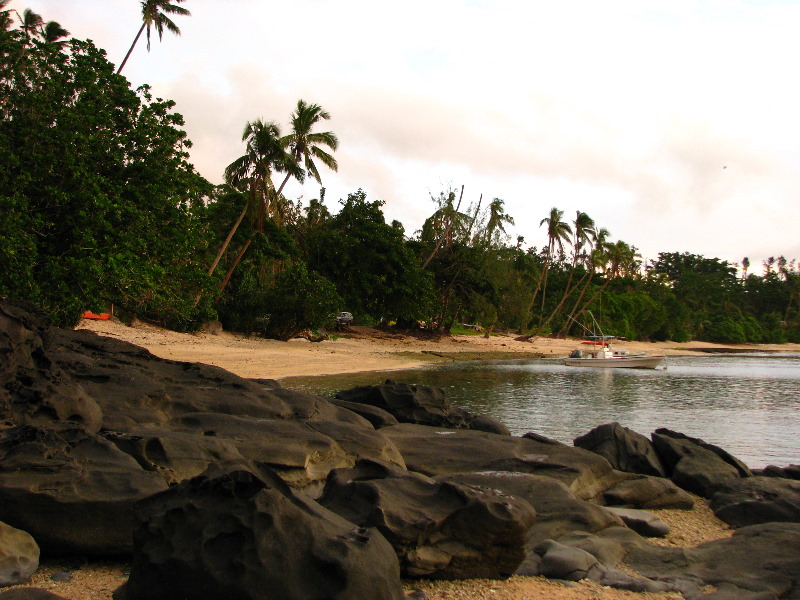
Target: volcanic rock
[(72, 490), (694, 465), (757, 500), (439, 530), (237, 534), (419, 404), (625, 449), (19, 555), (433, 451)]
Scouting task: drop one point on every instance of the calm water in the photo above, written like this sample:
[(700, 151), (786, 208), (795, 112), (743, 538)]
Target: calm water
[(747, 404)]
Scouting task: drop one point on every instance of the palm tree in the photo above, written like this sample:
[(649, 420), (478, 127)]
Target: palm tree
[(582, 234), (52, 32), (596, 259), (154, 14), (31, 23), (253, 171), (305, 145), (497, 219), (558, 232), (745, 267)]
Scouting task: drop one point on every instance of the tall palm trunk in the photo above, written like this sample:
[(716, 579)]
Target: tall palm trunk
[(228, 239), (574, 311), (133, 45)]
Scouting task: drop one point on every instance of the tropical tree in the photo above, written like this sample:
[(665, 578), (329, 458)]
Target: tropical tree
[(582, 234), (264, 154), (5, 16), (595, 260), (497, 219), (52, 32), (30, 23), (154, 14), (118, 222), (305, 145), (558, 232)]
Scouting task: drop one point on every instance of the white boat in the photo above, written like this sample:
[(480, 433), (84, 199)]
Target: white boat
[(600, 354)]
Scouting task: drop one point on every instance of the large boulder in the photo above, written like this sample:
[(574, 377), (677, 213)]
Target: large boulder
[(558, 510), (33, 389), (439, 529), (643, 491), (757, 500), (232, 533), (790, 472), (420, 404), (19, 555), (759, 562), (72, 490), (301, 452), (695, 465), (434, 451), (625, 449)]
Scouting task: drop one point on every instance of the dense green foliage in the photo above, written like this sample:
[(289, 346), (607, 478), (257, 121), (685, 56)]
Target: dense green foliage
[(99, 203), (100, 206)]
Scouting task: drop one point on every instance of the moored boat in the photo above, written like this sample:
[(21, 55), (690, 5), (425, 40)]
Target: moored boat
[(600, 354)]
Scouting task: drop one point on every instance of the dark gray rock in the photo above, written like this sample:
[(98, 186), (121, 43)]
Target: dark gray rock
[(433, 451), (558, 510), (757, 500), (376, 416), (236, 534), (566, 562), (642, 491), (790, 472), (642, 522), (419, 404), (692, 464), (439, 529), (625, 449), (73, 491), (303, 453), (759, 562), (19, 555), (33, 389), (741, 468)]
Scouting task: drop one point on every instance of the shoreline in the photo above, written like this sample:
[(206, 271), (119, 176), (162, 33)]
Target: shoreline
[(365, 349)]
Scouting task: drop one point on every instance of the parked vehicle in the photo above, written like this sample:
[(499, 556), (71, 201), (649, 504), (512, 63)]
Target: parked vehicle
[(344, 318)]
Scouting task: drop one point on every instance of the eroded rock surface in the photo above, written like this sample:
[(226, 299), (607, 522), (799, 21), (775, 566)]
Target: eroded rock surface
[(439, 529), (238, 534)]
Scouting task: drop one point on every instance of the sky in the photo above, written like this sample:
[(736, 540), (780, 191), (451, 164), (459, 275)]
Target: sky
[(672, 124)]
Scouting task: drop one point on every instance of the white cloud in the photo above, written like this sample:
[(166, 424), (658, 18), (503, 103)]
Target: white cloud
[(672, 124)]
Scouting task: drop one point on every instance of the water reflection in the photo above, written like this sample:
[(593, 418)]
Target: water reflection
[(749, 405)]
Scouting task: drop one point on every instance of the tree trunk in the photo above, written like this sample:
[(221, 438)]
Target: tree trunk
[(136, 39), (236, 261), (227, 241)]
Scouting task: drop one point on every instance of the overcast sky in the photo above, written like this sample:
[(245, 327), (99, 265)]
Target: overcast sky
[(673, 124)]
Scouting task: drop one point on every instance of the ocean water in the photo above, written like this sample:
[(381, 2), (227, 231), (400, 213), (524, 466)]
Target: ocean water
[(748, 404)]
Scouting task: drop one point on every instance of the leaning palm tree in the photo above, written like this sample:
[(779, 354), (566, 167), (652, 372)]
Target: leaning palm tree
[(497, 219), (305, 145), (558, 232), (582, 234), (253, 171), (596, 259), (30, 23), (53, 32), (154, 14)]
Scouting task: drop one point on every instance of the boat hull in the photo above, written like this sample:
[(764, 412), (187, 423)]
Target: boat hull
[(626, 362)]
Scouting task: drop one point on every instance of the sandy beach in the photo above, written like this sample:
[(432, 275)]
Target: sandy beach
[(361, 349), (365, 349)]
